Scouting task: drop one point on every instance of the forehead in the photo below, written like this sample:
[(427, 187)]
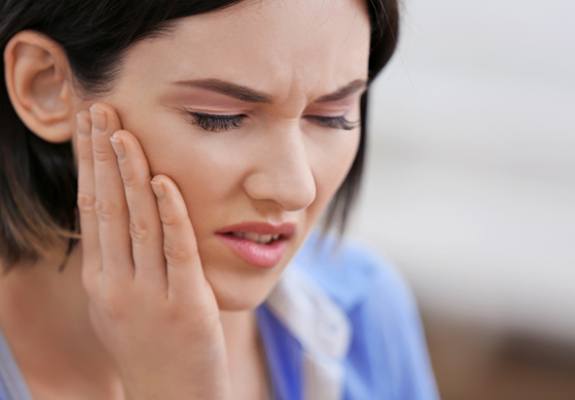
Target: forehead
[(272, 45)]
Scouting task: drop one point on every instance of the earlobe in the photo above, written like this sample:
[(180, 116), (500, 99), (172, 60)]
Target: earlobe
[(37, 77)]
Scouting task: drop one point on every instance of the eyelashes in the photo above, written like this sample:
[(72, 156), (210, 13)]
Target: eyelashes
[(217, 123)]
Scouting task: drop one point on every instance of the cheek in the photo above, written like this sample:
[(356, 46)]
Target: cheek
[(206, 174), (203, 168), (175, 149), (209, 167)]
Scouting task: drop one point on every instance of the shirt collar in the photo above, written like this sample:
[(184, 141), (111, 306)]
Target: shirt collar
[(321, 327)]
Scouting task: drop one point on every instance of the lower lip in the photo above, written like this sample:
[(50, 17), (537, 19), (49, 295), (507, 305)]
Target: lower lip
[(260, 255)]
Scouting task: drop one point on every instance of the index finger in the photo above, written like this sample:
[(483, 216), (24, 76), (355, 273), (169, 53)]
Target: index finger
[(184, 271), (86, 197)]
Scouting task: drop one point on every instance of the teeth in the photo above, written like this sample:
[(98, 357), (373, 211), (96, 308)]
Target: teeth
[(254, 237)]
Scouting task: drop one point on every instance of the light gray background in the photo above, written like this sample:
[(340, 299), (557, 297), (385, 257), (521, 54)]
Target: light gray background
[(470, 184)]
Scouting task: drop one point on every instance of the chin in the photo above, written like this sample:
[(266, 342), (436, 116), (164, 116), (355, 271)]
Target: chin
[(240, 291), (240, 300), (231, 303)]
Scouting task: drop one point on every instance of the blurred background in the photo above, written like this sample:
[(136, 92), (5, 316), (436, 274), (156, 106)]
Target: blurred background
[(470, 190)]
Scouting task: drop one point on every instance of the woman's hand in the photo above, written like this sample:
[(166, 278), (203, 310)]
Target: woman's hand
[(150, 303)]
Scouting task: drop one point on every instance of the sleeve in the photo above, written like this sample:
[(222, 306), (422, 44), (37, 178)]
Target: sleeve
[(394, 340)]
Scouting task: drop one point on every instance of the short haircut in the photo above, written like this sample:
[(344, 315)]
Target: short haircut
[(38, 179)]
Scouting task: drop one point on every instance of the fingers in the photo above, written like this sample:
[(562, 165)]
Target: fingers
[(87, 198), (183, 264), (145, 228), (110, 206), (137, 234)]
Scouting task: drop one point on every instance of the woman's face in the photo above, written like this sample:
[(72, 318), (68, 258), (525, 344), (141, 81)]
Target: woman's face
[(280, 162)]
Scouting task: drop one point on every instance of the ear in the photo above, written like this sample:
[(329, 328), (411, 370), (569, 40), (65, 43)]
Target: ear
[(39, 82)]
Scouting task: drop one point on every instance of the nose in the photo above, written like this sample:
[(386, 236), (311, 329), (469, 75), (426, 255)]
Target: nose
[(283, 173)]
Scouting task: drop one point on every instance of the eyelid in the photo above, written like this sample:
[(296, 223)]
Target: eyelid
[(225, 122), (243, 116), (338, 122)]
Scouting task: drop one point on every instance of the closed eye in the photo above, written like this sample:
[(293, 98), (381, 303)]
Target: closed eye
[(217, 123), (339, 122)]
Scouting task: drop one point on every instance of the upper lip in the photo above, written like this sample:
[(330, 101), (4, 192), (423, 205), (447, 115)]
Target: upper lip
[(286, 229)]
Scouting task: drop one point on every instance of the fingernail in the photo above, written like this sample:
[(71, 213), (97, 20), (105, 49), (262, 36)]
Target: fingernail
[(118, 146), (98, 119), (82, 124), (158, 188)]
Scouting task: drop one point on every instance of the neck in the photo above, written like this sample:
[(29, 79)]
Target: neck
[(44, 315)]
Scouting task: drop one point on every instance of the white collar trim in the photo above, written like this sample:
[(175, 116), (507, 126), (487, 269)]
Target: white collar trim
[(320, 325)]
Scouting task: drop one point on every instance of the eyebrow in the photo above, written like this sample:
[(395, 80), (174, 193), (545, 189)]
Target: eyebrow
[(249, 95)]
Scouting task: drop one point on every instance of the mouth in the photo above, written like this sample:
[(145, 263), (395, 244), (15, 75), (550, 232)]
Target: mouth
[(260, 239), (264, 251)]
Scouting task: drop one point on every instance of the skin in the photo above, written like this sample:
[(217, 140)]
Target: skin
[(107, 311)]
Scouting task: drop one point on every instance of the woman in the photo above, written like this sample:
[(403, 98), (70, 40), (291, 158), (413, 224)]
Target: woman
[(248, 117)]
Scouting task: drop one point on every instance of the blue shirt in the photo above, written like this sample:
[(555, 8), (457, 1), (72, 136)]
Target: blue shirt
[(338, 325), (344, 325)]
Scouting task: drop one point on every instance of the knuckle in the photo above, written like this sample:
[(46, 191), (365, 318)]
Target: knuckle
[(85, 155), (191, 323), (199, 326), (169, 219), (102, 154), (86, 202), (111, 303), (107, 210), (113, 311), (174, 314), (106, 108), (128, 176), (176, 254), (139, 231)]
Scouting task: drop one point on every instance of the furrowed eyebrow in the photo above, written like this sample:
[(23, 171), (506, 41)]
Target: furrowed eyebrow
[(249, 95), (343, 92)]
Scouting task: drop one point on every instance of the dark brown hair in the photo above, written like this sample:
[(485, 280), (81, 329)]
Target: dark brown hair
[(38, 182)]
